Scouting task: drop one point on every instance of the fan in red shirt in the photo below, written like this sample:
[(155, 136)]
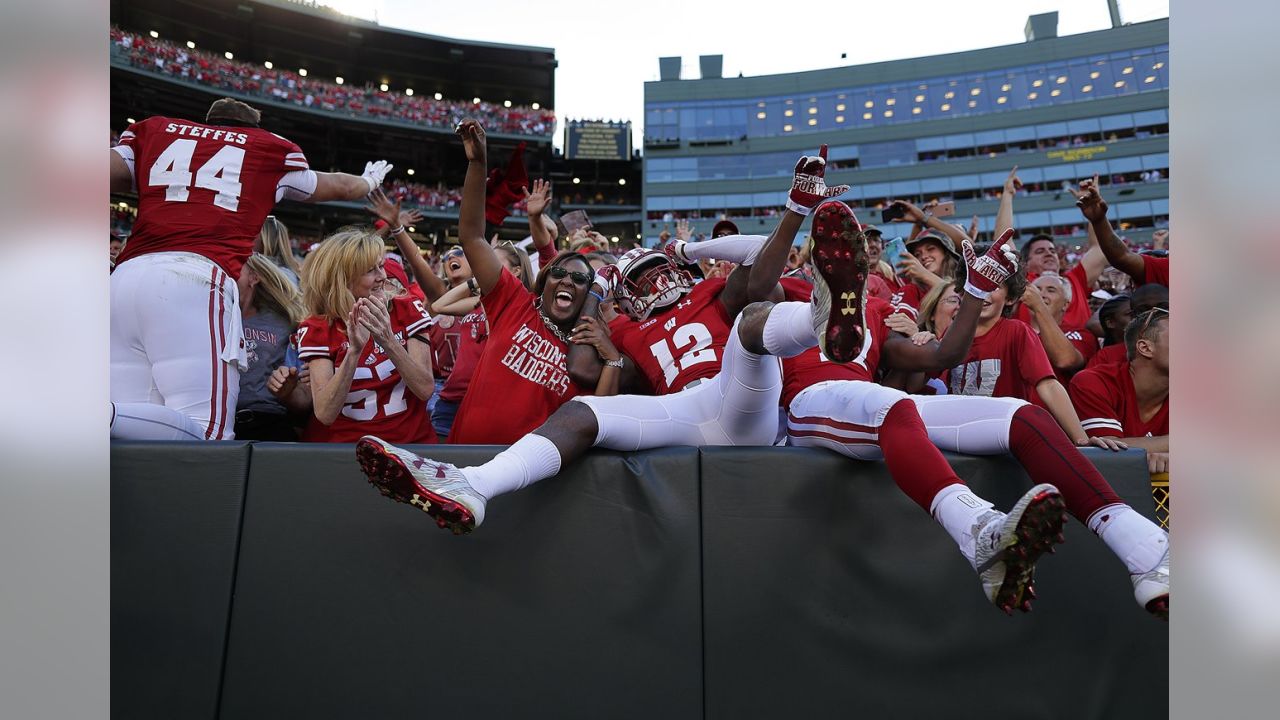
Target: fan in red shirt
[(1143, 269), (1068, 349), (204, 190), (370, 360), (1130, 400), (1113, 317), (1007, 360), (528, 367), (1142, 300)]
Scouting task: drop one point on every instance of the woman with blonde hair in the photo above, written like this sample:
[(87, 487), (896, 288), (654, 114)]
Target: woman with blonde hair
[(273, 242), (271, 307), (369, 356)]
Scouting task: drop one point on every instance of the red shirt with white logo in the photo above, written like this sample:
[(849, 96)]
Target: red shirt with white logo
[(1008, 361), (472, 332), (522, 375), (1084, 341), (682, 344), (1107, 404), (811, 367), (204, 189), (378, 403)]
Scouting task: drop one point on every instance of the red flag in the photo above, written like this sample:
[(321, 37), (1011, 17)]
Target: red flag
[(504, 187)]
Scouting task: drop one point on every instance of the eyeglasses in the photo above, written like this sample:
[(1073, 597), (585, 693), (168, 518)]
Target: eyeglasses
[(579, 278), (1151, 315)]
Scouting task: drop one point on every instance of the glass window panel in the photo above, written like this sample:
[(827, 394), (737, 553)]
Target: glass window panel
[(738, 200), (935, 185), (1159, 161), (1051, 130), (1125, 165), (1035, 219), (843, 152), (930, 144), (1084, 127), (1087, 169), (960, 141), (1019, 134), (767, 199), (905, 188), (989, 137), (964, 182), (1160, 206), (1150, 117), (1069, 216), (1059, 172), (1030, 175), (1117, 122), (1137, 209), (994, 179), (656, 203), (876, 190)]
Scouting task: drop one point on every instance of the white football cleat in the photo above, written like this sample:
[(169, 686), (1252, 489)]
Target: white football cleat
[(437, 488), (1008, 546)]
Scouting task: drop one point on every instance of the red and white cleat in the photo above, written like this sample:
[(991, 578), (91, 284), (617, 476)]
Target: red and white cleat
[(1009, 545), (438, 489)]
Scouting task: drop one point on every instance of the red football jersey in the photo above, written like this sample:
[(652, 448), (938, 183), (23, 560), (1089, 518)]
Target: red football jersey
[(1008, 361), (1078, 312), (1108, 355), (907, 299), (1155, 269), (682, 344), (473, 331), (1084, 341), (522, 376), (1108, 405), (811, 367), (378, 403), (204, 189)]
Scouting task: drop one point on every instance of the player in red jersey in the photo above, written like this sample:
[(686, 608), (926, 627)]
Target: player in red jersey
[(735, 406), (204, 190), (1143, 269), (1130, 400), (370, 359), (839, 407)]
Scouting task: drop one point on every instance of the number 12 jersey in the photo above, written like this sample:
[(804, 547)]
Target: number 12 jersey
[(683, 344)]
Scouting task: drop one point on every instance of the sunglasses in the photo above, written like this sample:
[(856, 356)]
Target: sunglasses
[(1151, 315), (579, 278)]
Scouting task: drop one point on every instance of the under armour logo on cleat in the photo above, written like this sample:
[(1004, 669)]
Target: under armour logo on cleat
[(419, 462), (849, 299), (440, 471)]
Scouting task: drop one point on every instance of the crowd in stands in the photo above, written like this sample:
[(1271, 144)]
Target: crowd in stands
[(258, 81)]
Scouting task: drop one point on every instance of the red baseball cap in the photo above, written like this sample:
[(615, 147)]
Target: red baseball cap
[(396, 270)]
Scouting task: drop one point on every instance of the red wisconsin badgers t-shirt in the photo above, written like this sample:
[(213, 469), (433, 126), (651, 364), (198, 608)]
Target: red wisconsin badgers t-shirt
[(683, 344), (379, 402), (522, 376), (204, 189), (1107, 404), (1008, 361)]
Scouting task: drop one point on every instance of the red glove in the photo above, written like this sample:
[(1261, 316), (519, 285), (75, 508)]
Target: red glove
[(809, 187), (987, 272)]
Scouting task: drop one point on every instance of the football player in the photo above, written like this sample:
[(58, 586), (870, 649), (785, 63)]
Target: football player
[(204, 190)]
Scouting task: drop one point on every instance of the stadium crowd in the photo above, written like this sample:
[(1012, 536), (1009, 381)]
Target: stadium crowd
[(286, 86)]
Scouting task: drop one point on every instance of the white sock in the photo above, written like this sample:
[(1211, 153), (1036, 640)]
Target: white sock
[(740, 249), (957, 509), (530, 459), (147, 421), (1138, 542), (788, 331)]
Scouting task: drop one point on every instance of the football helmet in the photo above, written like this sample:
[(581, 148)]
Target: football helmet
[(648, 280)]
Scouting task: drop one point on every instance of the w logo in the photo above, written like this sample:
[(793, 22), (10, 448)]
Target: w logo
[(975, 378)]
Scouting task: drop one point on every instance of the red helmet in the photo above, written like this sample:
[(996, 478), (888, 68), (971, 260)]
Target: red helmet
[(647, 280)]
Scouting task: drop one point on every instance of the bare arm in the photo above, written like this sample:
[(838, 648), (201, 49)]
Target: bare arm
[(1159, 443), (486, 268), (1056, 400), (330, 385), (414, 365), (456, 301), (536, 203), (900, 353), (1004, 215), (291, 388), (1102, 238)]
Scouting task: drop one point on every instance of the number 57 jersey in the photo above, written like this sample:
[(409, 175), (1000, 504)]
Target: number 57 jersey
[(204, 189), (682, 344)]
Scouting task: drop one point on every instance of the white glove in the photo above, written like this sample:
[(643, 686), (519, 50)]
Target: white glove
[(375, 172)]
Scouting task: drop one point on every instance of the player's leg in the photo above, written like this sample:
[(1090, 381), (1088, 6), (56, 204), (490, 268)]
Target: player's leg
[(988, 426), (749, 384), (866, 421), (137, 407)]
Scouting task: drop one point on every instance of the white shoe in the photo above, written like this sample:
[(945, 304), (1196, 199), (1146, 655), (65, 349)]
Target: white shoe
[(1009, 545), (1151, 588), (437, 488)]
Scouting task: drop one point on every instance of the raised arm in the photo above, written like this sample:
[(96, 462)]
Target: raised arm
[(457, 301), (536, 203), (1113, 249), (1004, 215), (808, 190), (396, 221), (486, 267)]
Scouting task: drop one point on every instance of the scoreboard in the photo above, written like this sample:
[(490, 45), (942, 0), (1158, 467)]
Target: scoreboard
[(589, 140)]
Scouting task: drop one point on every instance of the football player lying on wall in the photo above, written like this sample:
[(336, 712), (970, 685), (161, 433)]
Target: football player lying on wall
[(715, 383), (839, 406)]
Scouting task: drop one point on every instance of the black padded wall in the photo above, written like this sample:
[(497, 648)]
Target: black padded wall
[(578, 597), (175, 522), (828, 591)]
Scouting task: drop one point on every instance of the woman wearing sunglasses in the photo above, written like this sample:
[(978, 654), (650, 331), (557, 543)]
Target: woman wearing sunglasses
[(525, 371)]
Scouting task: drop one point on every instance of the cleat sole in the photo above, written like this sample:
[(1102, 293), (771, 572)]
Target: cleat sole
[(1159, 607), (841, 264), (1038, 529)]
